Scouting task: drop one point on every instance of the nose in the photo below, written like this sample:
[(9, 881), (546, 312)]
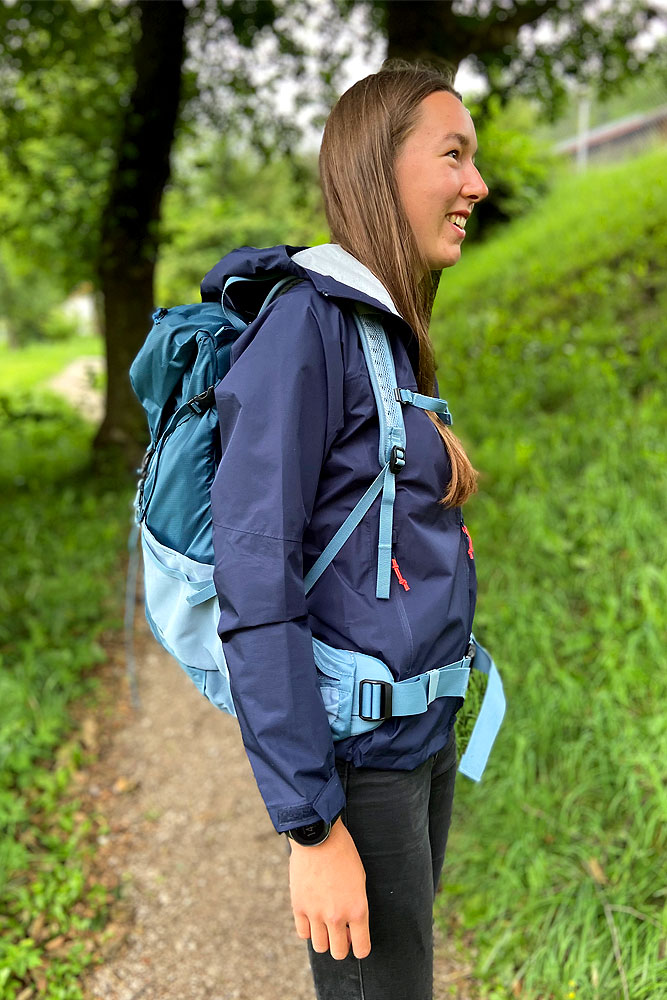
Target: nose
[(474, 188)]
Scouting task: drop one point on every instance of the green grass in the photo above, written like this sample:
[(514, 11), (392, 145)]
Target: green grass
[(60, 589), (552, 344), (22, 369)]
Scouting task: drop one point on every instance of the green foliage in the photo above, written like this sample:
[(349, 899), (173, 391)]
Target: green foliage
[(24, 368), (518, 168), (552, 340), (66, 77), (60, 590), (22, 284), (222, 199)]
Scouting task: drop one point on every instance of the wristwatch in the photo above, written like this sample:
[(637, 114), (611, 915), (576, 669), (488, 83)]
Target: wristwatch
[(310, 835)]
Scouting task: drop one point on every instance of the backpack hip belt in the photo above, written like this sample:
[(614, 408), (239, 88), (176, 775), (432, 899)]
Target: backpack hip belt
[(360, 693)]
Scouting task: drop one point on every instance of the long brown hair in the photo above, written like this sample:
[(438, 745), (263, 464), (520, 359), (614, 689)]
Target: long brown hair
[(362, 137)]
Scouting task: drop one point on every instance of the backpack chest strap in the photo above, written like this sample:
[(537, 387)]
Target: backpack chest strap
[(424, 403)]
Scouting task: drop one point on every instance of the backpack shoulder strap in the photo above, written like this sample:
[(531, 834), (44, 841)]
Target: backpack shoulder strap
[(391, 455), (391, 450), (281, 285)]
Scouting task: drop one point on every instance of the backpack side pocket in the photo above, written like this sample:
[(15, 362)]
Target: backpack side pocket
[(335, 676), (183, 612)]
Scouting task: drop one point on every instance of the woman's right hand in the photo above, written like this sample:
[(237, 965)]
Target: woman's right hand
[(328, 890)]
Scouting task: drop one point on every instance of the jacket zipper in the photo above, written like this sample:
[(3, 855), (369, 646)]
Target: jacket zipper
[(401, 579), (471, 551)]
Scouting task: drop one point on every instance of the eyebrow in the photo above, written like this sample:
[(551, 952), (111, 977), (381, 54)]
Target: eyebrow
[(463, 140)]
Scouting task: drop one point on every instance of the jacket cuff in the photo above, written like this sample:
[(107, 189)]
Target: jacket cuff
[(327, 806)]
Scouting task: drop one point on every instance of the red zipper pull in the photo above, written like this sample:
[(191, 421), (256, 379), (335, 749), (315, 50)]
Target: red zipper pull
[(403, 582), (465, 531)]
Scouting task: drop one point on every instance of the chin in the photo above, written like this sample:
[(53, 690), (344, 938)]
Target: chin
[(446, 260)]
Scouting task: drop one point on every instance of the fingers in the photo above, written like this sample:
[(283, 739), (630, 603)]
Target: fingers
[(302, 925), (319, 937), (360, 937), (335, 937), (332, 937), (339, 944)]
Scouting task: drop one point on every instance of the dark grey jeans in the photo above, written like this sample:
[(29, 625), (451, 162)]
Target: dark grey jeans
[(399, 821)]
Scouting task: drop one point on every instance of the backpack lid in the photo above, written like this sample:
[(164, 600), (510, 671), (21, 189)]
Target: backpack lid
[(168, 352)]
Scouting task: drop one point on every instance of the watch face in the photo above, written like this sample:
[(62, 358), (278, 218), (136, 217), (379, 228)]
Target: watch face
[(311, 834)]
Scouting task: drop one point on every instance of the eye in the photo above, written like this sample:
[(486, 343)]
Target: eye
[(455, 153)]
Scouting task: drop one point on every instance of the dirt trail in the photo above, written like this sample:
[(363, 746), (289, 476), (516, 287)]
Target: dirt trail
[(206, 909), (203, 872), (76, 383)]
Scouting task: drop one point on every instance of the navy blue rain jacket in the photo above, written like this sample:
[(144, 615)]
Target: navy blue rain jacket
[(300, 435)]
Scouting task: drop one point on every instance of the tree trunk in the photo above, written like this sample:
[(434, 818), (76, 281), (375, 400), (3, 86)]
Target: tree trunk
[(129, 240)]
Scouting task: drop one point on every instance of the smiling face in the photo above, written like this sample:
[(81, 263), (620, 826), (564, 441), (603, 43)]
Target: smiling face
[(438, 182)]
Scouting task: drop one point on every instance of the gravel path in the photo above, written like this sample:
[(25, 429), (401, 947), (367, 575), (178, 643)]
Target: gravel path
[(76, 383), (204, 873), (204, 911)]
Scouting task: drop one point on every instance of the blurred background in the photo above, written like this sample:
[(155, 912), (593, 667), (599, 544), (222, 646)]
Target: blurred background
[(139, 142)]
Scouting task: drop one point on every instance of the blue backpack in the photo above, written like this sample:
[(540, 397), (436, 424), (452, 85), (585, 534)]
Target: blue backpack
[(185, 355)]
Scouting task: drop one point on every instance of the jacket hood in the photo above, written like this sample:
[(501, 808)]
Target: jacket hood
[(332, 270)]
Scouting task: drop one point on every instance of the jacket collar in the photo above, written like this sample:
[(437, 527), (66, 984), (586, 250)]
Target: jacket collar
[(334, 271)]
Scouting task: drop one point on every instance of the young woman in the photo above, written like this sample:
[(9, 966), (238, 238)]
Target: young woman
[(367, 815)]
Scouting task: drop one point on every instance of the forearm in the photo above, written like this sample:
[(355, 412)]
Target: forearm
[(283, 722)]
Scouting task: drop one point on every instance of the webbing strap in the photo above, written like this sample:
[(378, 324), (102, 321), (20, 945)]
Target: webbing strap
[(391, 448), (380, 363), (235, 318), (383, 580), (425, 403), (344, 532), (385, 699), (413, 696), (280, 286), (488, 721)]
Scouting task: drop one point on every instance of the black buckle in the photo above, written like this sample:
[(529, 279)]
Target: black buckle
[(385, 701), (397, 458), (203, 402), (143, 468)]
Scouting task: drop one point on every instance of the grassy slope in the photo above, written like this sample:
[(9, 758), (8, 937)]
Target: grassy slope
[(552, 343)]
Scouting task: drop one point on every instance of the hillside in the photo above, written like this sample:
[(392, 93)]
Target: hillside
[(552, 348)]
